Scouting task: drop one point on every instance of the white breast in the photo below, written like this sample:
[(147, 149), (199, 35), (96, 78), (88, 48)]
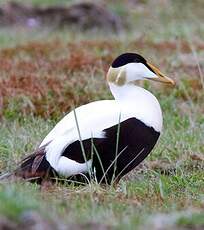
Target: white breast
[(140, 103)]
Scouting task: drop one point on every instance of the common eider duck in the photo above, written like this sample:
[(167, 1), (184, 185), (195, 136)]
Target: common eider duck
[(105, 139)]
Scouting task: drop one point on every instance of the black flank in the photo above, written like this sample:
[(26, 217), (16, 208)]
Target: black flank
[(136, 140)]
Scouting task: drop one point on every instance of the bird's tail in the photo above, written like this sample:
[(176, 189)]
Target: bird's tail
[(5, 175), (33, 168)]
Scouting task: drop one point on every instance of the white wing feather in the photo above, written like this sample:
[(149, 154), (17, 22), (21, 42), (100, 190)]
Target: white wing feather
[(93, 118)]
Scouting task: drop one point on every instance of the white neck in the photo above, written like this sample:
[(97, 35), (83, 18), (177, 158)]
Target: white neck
[(139, 102)]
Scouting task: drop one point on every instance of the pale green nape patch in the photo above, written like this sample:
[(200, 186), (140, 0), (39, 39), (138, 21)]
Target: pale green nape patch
[(116, 76)]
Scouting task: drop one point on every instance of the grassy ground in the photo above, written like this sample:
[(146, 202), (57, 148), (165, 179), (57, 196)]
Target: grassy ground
[(44, 73)]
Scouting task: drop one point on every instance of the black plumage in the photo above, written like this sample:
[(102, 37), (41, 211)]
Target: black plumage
[(128, 58), (135, 142), (123, 147)]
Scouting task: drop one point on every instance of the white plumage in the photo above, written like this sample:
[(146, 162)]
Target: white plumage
[(93, 118), (136, 110)]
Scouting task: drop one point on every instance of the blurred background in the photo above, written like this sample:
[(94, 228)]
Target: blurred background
[(48, 42), (54, 55)]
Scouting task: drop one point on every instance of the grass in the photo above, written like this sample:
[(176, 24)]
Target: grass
[(42, 75)]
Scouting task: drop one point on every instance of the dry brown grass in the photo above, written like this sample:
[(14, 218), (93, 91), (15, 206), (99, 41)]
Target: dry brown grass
[(48, 78)]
